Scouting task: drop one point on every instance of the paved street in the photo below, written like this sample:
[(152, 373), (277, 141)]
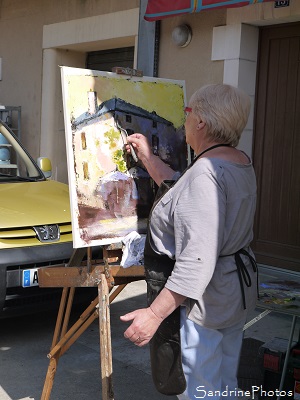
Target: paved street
[(25, 342)]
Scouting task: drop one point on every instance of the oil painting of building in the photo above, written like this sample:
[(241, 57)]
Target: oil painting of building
[(111, 192)]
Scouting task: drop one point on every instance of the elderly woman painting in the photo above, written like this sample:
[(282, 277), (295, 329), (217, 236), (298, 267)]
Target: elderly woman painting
[(203, 226)]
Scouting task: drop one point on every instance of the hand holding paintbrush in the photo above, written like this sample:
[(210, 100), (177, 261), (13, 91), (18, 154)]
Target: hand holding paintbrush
[(124, 135)]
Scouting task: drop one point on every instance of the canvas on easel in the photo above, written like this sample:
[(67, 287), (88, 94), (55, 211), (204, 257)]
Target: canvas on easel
[(111, 192)]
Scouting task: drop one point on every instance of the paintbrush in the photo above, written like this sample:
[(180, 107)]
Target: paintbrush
[(124, 135)]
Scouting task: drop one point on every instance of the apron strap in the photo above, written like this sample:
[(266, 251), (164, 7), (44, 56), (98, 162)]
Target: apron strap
[(243, 274)]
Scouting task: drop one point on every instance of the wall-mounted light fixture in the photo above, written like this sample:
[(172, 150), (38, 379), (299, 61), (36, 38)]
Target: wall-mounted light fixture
[(182, 35)]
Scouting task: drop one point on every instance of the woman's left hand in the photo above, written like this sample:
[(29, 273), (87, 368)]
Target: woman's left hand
[(143, 327)]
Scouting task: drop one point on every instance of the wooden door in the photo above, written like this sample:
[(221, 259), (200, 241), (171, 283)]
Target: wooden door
[(277, 148)]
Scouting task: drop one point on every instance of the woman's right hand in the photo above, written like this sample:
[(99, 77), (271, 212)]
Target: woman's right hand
[(141, 146), (157, 169)]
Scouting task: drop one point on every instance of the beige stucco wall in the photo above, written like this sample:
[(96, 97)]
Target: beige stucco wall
[(24, 52), (264, 14), (193, 62)]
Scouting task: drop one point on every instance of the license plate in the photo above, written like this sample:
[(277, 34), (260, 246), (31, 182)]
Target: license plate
[(30, 277)]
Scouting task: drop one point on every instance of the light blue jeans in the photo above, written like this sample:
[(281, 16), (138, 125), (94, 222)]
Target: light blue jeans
[(210, 360)]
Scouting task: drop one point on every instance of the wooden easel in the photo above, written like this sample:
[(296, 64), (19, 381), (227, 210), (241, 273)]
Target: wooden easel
[(106, 274)]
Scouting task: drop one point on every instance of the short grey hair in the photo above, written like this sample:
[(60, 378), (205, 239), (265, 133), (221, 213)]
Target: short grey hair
[(225, 110)]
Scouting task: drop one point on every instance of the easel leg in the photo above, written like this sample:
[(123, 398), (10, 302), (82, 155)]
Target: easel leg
[(105, 341), (68, 312), (50, 378), (63, 315)]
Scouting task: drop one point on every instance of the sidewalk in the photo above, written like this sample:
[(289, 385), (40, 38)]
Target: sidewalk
[(24, 363)]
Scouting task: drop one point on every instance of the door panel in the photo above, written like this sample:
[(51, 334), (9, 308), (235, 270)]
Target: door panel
[(277, 148)]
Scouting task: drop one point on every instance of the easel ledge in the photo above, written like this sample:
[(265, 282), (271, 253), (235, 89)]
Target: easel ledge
[(108, 276), (81, 277)]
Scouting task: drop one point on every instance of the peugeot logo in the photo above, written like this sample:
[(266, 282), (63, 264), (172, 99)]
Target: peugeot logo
[(47, 233)]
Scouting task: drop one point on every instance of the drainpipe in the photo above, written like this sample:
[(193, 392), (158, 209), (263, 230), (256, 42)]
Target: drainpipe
[(148, 43), (156, 48)]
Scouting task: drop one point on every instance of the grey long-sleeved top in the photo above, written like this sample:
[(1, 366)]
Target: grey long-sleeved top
[(208, 213)]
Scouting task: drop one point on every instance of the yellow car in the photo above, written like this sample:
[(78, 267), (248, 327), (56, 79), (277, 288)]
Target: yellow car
[(35, 224)]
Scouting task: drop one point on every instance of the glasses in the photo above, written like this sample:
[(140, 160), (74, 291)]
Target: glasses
[(188, 110)]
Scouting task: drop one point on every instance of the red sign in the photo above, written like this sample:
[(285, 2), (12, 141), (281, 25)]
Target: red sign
[(160, 9)]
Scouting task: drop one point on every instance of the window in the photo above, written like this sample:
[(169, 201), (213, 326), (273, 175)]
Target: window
[(105, 60)]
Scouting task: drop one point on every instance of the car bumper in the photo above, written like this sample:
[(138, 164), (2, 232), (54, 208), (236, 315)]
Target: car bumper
[(13, 261), (33, 257)]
